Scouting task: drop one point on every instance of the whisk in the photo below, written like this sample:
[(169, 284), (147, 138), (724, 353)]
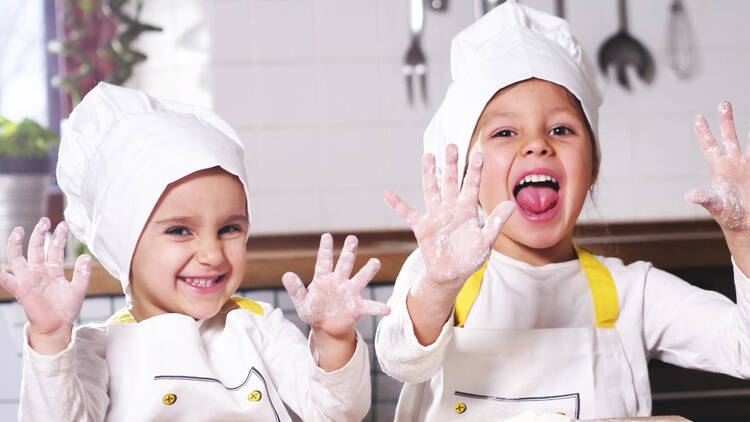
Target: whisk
[(681, 51)]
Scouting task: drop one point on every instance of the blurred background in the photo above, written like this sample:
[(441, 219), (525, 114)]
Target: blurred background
[(332, 109)]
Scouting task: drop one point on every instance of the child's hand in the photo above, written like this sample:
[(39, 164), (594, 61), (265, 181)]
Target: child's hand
[(450, 238), (730, 193), (729, 197), (50, 302), (332, 301)]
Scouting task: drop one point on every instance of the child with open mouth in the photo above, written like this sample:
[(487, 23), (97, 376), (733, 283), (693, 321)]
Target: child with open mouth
[(494, 318), (158, 193)]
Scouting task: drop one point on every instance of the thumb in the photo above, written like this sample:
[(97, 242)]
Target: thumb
[(81, 275), (708, 200), (294, 287), (497, 219), (8, 282)]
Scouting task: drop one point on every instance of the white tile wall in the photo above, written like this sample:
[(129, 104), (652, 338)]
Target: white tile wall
[(315, 88)]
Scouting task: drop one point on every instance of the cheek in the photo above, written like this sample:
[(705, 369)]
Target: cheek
[(494, 180), (579, 171), (236, 253)]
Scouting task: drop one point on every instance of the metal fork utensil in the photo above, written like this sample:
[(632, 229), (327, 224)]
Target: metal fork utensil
[(415, 64)]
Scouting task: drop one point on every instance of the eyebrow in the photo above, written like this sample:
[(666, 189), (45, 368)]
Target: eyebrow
[(187, 220)]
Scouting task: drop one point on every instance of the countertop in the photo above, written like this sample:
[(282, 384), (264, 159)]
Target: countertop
[(669, 244)]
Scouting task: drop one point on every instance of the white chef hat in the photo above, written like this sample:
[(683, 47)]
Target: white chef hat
[(509, 44), (120, 149)]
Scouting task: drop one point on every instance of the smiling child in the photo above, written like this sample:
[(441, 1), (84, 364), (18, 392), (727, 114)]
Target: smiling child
[(159, 194)]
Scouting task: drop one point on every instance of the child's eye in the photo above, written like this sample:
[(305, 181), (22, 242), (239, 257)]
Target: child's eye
[(561, 131), (503, 133), (232, 228), (178, 231)]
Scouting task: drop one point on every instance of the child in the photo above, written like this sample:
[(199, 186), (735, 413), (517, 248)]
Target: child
[(487, 324), (159, 194)]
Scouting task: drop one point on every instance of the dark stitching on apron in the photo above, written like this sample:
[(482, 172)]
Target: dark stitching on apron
[(207, 379), (575, 396)]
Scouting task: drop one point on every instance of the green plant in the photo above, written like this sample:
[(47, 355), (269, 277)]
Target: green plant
[(97, 44), (26, 139)]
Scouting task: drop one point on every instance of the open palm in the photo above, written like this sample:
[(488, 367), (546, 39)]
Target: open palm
[(451, 239), (50, 302), (730, 169), (333, 301)]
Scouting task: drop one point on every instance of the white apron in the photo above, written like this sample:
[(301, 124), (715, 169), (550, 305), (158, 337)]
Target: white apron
[(173, 373), (496, 374)]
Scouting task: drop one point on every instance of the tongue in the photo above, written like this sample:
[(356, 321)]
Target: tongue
[(537, 199)]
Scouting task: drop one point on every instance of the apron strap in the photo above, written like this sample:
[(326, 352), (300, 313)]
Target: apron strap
[(603, 290), (601, 283), (467, 295)]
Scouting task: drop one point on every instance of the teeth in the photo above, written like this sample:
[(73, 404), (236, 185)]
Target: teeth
[(536, 178), (199, 282)]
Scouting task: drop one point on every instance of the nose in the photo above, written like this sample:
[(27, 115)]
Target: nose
[(536, 146), (210, 252)]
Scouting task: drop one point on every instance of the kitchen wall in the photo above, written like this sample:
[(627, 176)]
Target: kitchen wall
[(315, 89)]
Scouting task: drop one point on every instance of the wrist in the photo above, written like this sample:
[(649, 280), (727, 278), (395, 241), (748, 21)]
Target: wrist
[(332, 352), (49, 343), (444, 292), (321, 336)]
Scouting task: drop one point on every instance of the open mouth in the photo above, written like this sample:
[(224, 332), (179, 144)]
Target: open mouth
[(202, 282), (537, 194)]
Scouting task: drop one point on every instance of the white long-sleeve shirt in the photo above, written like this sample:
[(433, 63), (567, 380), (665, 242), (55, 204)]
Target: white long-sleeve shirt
[(237, 365), (660, 316)]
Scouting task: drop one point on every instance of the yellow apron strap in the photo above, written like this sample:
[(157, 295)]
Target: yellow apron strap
[(603, 291), (121, 317), (466, 296), (247, 304)]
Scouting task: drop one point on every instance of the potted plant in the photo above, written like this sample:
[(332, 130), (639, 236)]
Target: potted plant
[(24, 175)]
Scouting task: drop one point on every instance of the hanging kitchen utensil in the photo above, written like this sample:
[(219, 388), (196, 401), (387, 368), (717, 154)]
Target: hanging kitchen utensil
[(560, 8), (483, 6), (437, 5), (683, 57), (415, 64), (622, 50)]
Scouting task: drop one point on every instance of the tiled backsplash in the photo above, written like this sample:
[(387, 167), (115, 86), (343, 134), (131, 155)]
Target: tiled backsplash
[(315, 89), (385, 390)]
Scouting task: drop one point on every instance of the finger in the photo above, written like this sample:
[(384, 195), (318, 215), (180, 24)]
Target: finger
[(56, 250), (14, 253), (374, 308), (728, 133), (708, 200), (8, 282), (429, 182), (36, 242), (496, 220), (407, 213), (324, 263), (711, 149), (346, 260), (450, 178), (294, 287), (81, 275), (366, 273), (469, 197)]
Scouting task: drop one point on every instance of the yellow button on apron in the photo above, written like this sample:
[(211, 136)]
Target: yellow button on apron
[(169, 399), (460, 407), (255, 396)]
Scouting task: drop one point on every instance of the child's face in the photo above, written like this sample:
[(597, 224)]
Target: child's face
[(190, 257), (535, 130)]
